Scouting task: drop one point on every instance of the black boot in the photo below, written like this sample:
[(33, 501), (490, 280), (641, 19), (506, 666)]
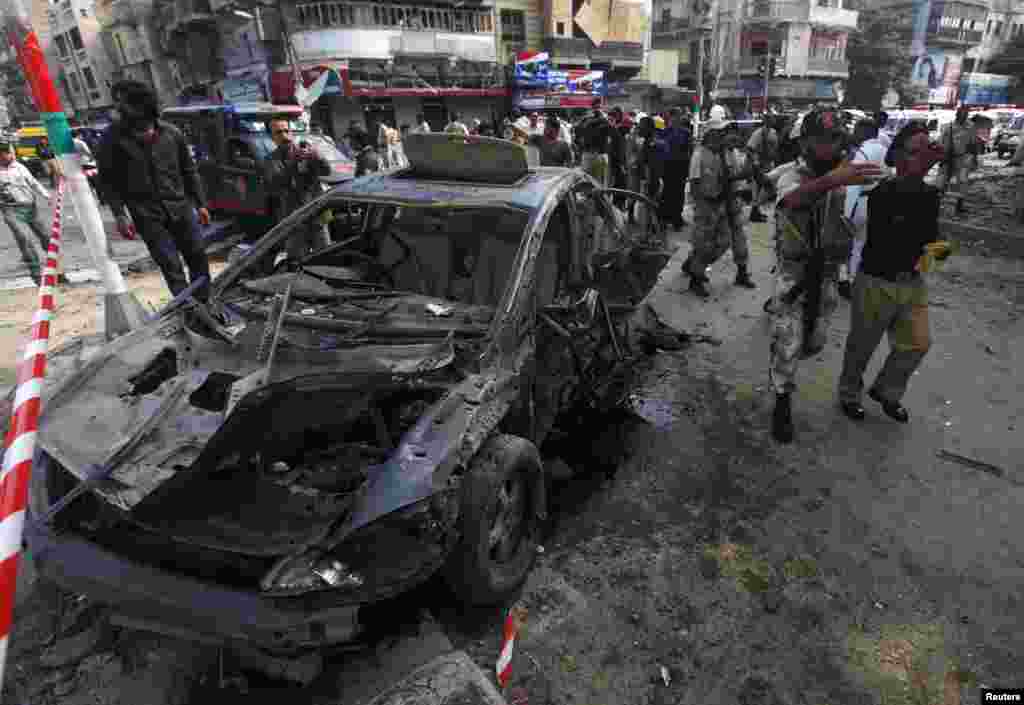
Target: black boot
[(743, 278), (782, 419), (697, 280), (756, 216)]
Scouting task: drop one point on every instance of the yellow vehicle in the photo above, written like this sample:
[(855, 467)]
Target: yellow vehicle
[(28, 140)]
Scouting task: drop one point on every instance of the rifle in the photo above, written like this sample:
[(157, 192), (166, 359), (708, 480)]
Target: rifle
[(814, 275)]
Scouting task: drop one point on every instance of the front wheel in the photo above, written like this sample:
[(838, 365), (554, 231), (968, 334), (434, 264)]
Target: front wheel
[(503, 506)]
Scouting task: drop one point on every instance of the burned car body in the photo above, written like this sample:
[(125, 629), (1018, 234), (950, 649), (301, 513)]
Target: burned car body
[(371, 415)]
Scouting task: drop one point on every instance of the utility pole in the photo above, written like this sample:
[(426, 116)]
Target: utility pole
[(122, 311)]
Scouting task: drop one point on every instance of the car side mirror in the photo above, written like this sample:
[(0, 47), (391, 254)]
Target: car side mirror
[(246, 163)]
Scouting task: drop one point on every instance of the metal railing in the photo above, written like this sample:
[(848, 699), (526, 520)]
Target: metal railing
[(820, 65), (365, 15), (778, 10)]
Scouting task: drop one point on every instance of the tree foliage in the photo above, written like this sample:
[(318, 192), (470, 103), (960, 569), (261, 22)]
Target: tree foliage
[(879, 58)]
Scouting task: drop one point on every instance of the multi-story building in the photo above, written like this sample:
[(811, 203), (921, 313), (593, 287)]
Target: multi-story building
[(599, 35), (806, 38), (16, 92), (77, 59), (941, 37), (397, 59), (1004, 23), (130, 34)]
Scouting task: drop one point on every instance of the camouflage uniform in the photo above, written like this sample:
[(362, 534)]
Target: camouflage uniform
[(794, 228), (959, 143), (719, 222)]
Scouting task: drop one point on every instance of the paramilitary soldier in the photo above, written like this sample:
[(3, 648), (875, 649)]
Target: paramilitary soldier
[(718, 217), (811, 240)]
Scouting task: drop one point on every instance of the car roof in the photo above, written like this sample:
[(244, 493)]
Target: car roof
[(404, 188)]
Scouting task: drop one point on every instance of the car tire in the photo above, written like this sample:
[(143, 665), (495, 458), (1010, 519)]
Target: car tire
[(502, 513)]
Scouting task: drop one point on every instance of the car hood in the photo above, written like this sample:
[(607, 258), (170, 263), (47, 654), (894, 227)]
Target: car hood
[(161, 408)]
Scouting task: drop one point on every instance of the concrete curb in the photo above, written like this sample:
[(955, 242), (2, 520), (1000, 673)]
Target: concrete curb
[(451, 679)]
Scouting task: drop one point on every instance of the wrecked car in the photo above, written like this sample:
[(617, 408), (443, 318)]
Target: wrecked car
[(360, 420)]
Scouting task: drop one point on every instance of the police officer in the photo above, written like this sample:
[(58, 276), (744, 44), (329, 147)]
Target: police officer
[(811, 241), (958, 141), (717, 210), (763, 151)]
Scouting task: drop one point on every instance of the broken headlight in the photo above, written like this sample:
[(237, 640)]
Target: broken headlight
[(391, 551), (307, 572)]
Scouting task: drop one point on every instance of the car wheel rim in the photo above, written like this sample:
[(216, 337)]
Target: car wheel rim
[(509, 519)]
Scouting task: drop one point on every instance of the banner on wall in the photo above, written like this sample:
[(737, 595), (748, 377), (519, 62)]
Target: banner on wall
[(939, 73), (532, 69)]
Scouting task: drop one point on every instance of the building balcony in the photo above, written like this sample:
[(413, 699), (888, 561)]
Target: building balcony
[(179, 16), (326, 44), (114, 13), (832, 17), (956, 36), (776, 11), (417, 18), (672, 26), (828, 67), (619, 54), (569, 50)]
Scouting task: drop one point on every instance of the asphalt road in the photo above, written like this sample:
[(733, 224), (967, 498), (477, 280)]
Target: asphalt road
[(77, 260)]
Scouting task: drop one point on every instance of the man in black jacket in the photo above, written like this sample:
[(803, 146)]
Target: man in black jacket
[(293, 179), (145, 166)]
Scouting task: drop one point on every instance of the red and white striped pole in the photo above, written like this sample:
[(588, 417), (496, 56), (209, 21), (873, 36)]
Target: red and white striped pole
[(513, 622), (20, 443)]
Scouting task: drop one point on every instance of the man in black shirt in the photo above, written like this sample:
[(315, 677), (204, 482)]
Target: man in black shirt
[(553, 151), (889, 295)]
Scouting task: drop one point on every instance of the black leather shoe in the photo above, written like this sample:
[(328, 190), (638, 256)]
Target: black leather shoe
[(893, 409), (853, 409), (782, 419)]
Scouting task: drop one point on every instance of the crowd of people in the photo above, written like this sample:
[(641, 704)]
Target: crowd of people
[(853, 215)]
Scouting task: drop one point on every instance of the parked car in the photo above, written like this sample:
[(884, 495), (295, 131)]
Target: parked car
[(1005, 143), (29, 138), (367, 417), (231, 145)]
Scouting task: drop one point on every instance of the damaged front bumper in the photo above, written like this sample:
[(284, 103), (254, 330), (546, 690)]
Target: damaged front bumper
[(158, 601)]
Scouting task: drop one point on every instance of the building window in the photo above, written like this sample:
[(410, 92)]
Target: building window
[(513, 25), (988, 29), (666, 16), (90, 78), (560, 29), (76, 86), (85, 12), (62, 46), (999, 29), (76, 39)]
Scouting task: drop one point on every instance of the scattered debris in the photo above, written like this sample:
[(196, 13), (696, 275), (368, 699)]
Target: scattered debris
[(879, 605), (989, 350), (73, 649), (970, 462), (540, 549), (666, 678), (440, 310)]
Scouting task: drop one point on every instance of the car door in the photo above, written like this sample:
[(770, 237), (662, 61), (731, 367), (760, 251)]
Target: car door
[(243, 185), (623, 249)]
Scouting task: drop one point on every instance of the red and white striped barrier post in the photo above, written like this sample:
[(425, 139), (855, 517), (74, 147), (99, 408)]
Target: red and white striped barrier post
[(20, 443), (513, 622)]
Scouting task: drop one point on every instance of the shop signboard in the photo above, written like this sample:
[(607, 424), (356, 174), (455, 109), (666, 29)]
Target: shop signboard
[(532, 69), (985, 89)]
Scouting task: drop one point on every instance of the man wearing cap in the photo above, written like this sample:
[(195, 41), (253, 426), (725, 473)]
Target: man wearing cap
[(811, 240), (717, 211), (18, 191)]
